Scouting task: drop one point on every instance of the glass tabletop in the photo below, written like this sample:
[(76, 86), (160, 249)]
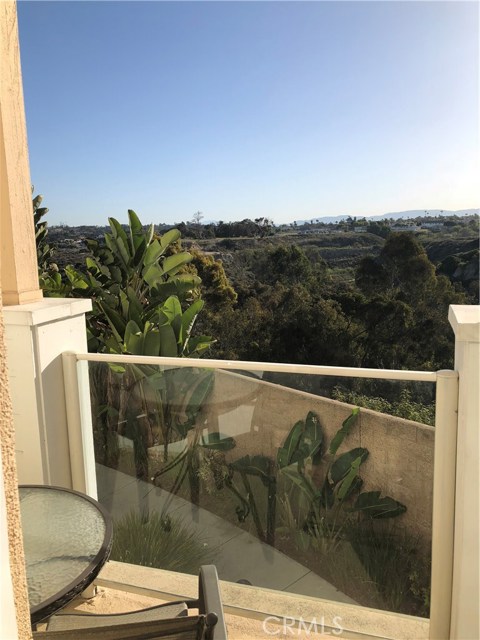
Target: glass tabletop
[(67, 538)]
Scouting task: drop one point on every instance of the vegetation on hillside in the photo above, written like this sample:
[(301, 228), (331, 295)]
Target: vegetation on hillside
[(373, 299)]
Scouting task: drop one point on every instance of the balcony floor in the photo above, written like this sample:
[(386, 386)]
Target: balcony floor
[(251, 613), (238, 555)]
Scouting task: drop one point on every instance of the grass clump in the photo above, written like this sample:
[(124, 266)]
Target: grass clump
[(160, 541)]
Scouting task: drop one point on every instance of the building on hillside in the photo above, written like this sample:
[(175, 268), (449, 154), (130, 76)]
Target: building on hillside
[(432, 225), (404, 227)]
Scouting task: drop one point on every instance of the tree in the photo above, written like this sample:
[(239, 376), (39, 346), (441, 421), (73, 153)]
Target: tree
[(402, 268), (265, 226), (197, 218), (406, 308)]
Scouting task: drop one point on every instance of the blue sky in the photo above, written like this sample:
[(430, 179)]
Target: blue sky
[(289, 110)]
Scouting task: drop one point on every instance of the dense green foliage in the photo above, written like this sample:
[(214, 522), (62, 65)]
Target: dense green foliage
[(404, 407), (372, 299), (293, 308), (143, 300)]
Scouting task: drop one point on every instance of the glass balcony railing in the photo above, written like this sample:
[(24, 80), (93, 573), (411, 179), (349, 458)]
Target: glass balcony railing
[(274, 473)]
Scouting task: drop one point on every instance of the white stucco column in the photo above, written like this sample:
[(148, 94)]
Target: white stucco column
[(36, 336), (465, 321)]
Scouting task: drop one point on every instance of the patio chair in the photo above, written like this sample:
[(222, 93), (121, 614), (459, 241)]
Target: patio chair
[(170, 620)]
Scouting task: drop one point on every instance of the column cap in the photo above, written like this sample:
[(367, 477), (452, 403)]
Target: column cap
[(465, 321), (46, 310)]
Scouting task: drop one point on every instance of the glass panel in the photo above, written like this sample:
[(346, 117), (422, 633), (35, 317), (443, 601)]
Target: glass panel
[(279, 480)]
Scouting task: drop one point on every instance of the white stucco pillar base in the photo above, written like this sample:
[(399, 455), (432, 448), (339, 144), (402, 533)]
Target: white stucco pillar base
[(36, 335), (465, 624)]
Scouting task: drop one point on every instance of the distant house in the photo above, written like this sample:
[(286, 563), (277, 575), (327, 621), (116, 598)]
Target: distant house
[(404, 227), (360, 229), (432, 225)]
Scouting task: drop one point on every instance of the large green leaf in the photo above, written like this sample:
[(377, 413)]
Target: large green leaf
[(197, 345), (115, 320), (344, 431), (257, 465), (153, 253), (110, 243), (295, 475), (168, 341), (124, 304), (151, 341), (76, 278), (313, 437), (349, 480), (169, 237), (120, 244), (116, 274), (136, 231), (343, 464), (135, 309), (133, 338), (170, 310), (373, 505), (189, 315), (179, 285), (285, 454), (153, 275), (173, 263)]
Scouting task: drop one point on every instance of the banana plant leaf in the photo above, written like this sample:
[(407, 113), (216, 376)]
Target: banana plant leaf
[(313, 437), (136, 231), (153, 275), (343, 464), (189, 316), (120, 243), (293, 473), (374, 506), (169, 237), (286, 454), (151, 341), (153, 253), (168, 341), (304, 441), (350, 480), (134, 338), (115, 320), (258, 465), (344, 431), (173, 263), (197, 345)]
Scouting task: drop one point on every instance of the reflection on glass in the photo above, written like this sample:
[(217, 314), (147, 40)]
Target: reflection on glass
[(302, 483)]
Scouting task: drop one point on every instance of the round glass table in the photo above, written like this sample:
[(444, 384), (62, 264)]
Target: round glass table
[(67, 538)]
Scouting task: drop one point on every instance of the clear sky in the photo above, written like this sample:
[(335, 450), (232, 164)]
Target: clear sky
[(290, 110)]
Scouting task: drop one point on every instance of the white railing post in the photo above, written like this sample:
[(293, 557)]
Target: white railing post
[(465, 620), (79, 422), (443, 504)]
